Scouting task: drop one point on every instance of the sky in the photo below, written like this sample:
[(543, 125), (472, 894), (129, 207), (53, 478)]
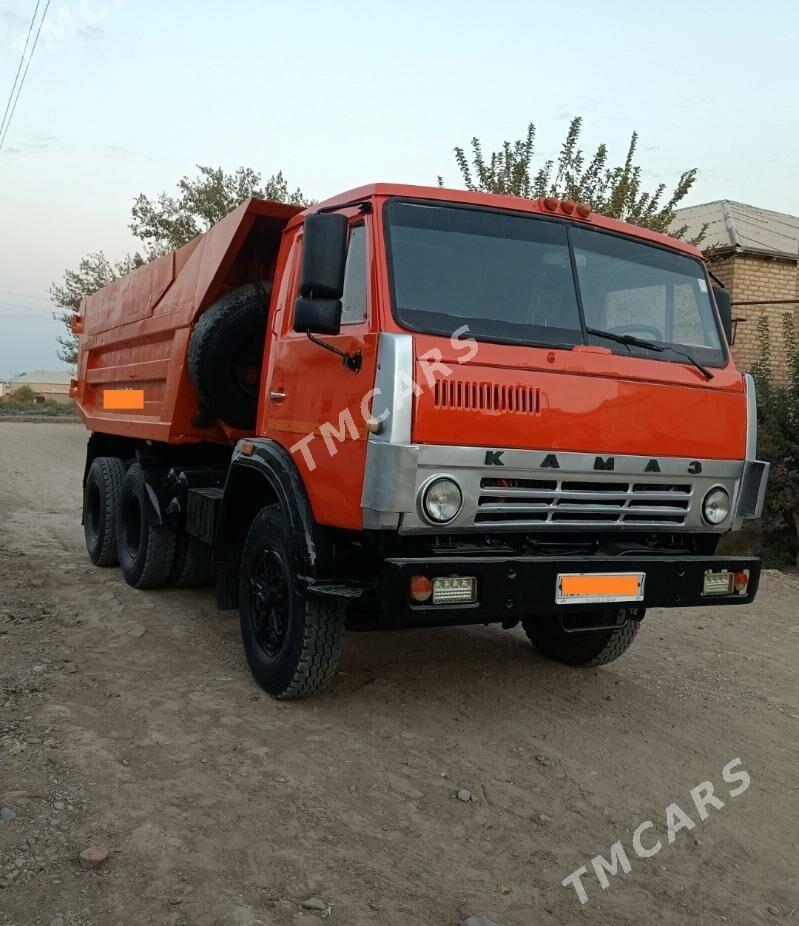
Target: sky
[(127, 96)]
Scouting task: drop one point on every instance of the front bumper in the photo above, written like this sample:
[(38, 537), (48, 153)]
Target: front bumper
[(511, 588)]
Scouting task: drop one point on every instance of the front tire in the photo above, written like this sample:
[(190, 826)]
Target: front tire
[(292, 641), (585, 648), (146, 548)]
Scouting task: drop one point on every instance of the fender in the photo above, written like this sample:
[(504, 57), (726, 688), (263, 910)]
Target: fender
[(266, 475)]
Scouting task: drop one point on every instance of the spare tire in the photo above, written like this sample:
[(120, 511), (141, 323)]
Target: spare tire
[(225, 354)]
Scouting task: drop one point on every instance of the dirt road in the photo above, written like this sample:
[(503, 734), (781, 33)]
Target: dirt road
[(129, 720)]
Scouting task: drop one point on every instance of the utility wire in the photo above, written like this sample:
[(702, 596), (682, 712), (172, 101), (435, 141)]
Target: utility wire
[(24, 74), (7, 292), (19, 66), (33, 308)]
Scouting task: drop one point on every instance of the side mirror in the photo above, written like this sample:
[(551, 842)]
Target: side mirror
[(317, 316), (724, 305), (324, 256)]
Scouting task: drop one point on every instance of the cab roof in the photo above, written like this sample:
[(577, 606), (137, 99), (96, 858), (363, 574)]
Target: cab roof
[(380, 191)]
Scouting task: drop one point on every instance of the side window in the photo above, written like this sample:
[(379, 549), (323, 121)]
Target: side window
[(354, 298)]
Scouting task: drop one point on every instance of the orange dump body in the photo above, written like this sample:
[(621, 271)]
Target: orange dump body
[(132, 365)]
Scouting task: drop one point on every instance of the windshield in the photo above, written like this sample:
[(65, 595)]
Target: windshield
[(521, 279), (632, 288)]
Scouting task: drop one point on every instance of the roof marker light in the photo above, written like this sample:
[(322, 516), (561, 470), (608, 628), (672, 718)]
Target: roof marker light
[(568, 206), (551, 203), (583, 210)]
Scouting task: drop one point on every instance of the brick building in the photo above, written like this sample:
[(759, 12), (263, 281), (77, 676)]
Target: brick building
[(754, 252)]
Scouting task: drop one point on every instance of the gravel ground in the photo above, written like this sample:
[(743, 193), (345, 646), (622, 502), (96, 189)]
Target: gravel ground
[(447, 773)]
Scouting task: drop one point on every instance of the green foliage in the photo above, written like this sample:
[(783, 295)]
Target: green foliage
[(168, 222), (24, 395), (778, 414), (94, 272), (615, 191), (48, 409), (164, 224)]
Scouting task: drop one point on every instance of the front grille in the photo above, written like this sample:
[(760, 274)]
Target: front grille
[(573, 502), (490, 398)]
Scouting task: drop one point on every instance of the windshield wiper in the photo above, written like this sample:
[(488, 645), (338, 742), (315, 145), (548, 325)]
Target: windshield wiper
[(632, 341)]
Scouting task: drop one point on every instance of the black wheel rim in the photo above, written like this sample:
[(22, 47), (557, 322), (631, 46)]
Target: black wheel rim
[(270, 603)]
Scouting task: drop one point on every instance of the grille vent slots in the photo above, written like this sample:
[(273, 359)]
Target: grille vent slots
[(575, 501), (490, 398)]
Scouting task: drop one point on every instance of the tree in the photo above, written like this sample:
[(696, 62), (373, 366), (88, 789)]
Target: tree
[(169, 222), (778, 437), (24, 395), (94, 272), (615, 191), (163, 224)]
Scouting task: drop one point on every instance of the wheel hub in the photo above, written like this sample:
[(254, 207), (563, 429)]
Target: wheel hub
[(269, 592)]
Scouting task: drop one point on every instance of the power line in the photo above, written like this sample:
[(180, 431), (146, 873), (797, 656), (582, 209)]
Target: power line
[(19, 66), (32, 308), (24, 74), (7, 292)]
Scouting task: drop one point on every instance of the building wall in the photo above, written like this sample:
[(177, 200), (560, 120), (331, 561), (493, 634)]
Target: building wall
[(751, 277), (55, 391)]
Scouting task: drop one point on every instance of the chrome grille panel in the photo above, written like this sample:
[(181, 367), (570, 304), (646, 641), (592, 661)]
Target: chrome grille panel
[(541, 490), (533, 502)]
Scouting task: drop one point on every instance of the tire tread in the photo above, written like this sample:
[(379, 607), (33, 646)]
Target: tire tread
[(192, 563), (585, 650), (322, 638), (160, 542), (112, 473)]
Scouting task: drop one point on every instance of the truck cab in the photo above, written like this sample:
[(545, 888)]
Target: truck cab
[(475, 409)]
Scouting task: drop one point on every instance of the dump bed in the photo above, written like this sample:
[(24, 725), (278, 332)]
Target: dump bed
[(134, 333)]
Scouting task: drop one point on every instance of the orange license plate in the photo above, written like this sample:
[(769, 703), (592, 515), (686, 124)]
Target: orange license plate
[(599, 588), (123, 399)]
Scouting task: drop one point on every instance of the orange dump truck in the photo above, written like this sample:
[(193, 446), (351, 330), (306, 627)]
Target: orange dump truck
[(410, 407)]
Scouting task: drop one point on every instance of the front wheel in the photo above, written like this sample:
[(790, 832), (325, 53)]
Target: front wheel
[(292, 641), (585, 648)]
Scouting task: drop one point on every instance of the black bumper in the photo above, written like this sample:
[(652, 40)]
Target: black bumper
[(510, 588)]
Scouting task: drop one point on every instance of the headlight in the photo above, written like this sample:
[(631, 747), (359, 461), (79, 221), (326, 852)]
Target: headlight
[(442, 500), (716, 506)]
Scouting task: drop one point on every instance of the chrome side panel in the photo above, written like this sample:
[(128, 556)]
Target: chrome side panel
[(751, 416), (391, 460), (393, 400), (389, 488), (755, 478)]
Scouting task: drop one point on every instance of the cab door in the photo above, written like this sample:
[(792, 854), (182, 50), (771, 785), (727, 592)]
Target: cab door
[(315, 404)]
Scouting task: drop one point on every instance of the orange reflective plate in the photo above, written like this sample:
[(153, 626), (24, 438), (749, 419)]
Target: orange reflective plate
[(127, 399), (579, 588)]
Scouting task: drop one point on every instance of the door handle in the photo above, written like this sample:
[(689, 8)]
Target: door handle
[(276, 395)]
